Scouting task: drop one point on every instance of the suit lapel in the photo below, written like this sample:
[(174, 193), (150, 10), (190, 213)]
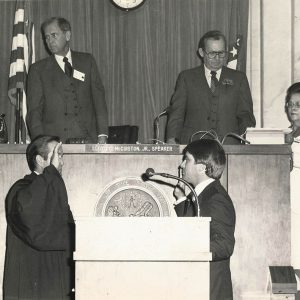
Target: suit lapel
[(223, 86), (217, 90), (74, 60), (58, 75), (77, 65), (56, 78), (206, 86), (204, 93), (204, 80), (78, 62)]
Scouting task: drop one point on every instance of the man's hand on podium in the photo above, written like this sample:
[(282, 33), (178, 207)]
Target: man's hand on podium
[(102, 138)]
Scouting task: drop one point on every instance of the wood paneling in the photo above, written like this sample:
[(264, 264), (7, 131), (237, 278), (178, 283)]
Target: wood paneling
[(257, 180), (259, 188)]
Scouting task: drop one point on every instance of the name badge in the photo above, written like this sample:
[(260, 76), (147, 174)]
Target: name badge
[(78, 75)]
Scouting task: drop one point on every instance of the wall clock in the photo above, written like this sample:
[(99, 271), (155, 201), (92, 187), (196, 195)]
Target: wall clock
[(127, 4)]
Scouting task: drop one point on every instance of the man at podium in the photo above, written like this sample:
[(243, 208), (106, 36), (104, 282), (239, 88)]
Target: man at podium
[(203, 165)]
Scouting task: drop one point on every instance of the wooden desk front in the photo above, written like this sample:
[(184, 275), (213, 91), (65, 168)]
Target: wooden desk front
[(256, 177)]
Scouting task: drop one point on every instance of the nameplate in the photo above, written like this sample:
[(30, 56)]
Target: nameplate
[(133, 149)]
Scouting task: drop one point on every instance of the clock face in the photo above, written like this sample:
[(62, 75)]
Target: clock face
[(128, 4)]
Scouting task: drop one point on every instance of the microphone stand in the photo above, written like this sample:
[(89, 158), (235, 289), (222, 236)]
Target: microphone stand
[(210, 133), (182, 180), (156, 129), (156, 125), (236, 136)]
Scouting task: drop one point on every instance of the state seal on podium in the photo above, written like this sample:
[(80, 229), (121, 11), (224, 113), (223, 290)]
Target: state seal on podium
[(132, 197)]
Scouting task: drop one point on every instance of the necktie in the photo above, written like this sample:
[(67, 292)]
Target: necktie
[(68, 67), (214, 81)]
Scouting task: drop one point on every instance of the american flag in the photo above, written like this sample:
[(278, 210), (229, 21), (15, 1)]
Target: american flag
[(22, 56), (233, 53)]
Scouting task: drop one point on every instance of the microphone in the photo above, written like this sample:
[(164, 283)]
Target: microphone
[(236, 136), (156, 124), (150, 172)]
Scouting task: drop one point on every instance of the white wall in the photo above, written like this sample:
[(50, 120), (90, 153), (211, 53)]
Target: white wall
[(273, 57)]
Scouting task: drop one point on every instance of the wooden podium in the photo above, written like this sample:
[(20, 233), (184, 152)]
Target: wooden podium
[(142, 258)]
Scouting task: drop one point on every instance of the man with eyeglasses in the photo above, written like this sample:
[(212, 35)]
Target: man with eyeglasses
[(210, 96)]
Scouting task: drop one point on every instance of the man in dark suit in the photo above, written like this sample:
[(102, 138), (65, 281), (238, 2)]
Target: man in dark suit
[(203, 165), (65, 92), (210, 97)]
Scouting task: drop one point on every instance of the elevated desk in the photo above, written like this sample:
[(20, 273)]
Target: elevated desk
[(257, 178)]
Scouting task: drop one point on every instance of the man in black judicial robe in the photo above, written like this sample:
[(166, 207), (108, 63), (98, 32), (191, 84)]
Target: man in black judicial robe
[(40, 228), (203, 165)]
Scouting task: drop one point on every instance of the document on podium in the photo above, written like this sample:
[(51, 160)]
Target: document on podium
[(265, 136)]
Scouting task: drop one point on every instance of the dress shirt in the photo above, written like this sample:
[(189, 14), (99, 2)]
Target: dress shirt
[(208, 75), (61, 63), (198, 189)]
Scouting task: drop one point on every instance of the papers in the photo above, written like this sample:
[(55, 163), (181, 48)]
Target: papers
[(265, 135)]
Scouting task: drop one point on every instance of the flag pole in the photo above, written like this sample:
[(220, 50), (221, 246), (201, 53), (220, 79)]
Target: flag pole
[(22, 56), (18, 117), (21, 121)]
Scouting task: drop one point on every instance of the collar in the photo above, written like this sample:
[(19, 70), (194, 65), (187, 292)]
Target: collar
[(36, 172), (59, 58), (199, 189), (208, 75), (202, 185)]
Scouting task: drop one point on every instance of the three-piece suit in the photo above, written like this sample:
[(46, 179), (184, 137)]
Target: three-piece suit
[(195, 107), (69, 107)]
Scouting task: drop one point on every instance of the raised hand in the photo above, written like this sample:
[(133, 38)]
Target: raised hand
[(57, 157)]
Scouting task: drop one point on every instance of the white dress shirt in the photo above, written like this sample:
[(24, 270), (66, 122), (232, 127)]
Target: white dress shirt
[(61, 63), (198, 189), (208, 75)]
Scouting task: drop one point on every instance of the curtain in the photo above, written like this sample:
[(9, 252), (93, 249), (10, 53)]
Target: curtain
[(139, 53)]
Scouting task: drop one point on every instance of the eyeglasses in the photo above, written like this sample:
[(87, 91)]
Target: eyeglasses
[(213, 54), (293, 104)]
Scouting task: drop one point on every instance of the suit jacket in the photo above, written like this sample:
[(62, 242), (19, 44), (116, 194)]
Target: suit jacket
[(215, 203), (64, 106), (194, 107)]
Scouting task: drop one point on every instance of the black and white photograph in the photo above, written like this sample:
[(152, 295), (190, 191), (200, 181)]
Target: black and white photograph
[(150, 149)]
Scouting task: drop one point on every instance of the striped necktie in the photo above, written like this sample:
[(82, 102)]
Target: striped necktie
[(214, 81), (68, 67)]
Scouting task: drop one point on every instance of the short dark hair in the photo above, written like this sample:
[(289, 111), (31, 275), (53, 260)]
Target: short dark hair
[(212, 35), (39, 146), (293, 89), (210, 153), (62, 23)]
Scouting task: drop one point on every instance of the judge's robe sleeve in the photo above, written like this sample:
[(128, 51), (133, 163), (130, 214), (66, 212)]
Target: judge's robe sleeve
[(39, 213)]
